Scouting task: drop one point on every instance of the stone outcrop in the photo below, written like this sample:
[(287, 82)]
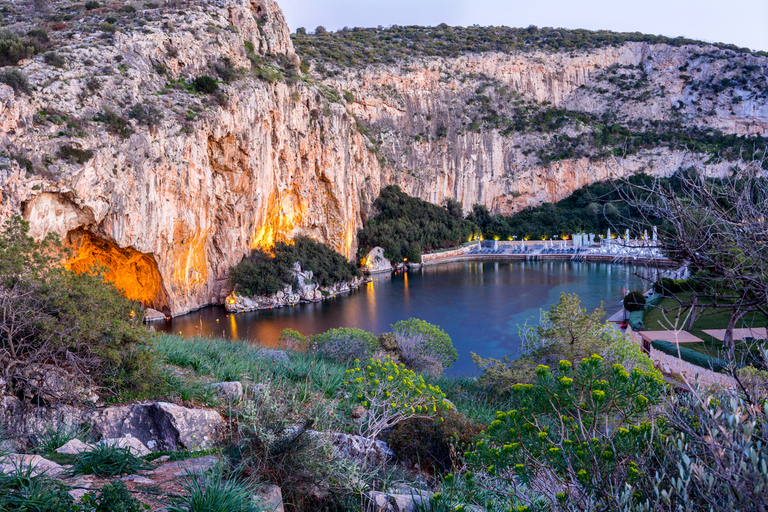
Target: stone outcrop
[(304, 292), (169, 204), (375, 261)]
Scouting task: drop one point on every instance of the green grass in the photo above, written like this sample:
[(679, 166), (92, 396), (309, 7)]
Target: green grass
[(305, 377), (211, 492), (108, 460), (53, 436), (709, 318)]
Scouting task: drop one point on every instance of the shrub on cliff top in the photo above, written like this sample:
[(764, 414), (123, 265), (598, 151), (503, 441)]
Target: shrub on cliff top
[(16, 80), (205, 84), (13, 48)]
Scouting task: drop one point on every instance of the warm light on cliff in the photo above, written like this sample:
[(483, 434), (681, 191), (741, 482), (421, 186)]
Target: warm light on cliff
[(134, 273), (282, 216)]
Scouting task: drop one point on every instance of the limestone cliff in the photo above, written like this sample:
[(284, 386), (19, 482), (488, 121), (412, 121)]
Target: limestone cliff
[(115, 150)]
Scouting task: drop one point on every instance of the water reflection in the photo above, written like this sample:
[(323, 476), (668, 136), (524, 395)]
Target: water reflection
[(478, 304)]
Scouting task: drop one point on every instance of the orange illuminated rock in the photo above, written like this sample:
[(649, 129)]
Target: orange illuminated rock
[(134, 273)]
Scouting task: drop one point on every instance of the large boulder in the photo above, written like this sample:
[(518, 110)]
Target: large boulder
[(376, 262), (230, 391), (356, 448), (159, 425), (271, 498), (36, 464)]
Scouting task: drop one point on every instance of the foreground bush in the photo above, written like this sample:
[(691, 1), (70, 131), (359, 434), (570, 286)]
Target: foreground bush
[(390, 394), (52, 319), (265, 274), (344, 344), (274, 445), (572, 440), (434, 444), (424, 346)]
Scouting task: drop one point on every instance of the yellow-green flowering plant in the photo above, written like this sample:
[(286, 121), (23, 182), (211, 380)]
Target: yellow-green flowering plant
[(575, 437), (390, 393)]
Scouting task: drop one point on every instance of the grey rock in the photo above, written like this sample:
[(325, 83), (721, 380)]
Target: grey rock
[(272, 497), (133, 445), (38, 465), (138, 479), (231, 391), (195, 466), (376, 262), (409, 501), (158, 425), (74, 447), (357, 448), (276, 356)]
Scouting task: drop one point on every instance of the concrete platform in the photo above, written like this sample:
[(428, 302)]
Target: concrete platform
[(740, 334), (670, 336)]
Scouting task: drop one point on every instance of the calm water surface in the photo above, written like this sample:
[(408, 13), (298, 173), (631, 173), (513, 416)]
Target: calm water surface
[(478, 304)]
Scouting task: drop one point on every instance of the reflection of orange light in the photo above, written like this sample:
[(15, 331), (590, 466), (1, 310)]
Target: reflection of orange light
[(133, 313), (233, 326)]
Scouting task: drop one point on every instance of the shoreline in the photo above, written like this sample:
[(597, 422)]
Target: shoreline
[(596, 258)]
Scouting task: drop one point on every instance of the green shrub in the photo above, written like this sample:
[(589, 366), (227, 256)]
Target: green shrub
[(91, 5), (434, 444), (145, 114), (205, 84), (16, 80), (634, 301), (39, 35), (424, 346), (115, 123), (692, 356), (585, 427), (13, 48), (108, 28), (212, 492), (55, 59), (75, 155), (113, 497), (265, 274), (108, 460), (344, 344), (52, 315), (391, 393), (407, 226)]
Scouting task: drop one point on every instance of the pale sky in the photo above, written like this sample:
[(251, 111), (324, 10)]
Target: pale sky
[(739, 22)]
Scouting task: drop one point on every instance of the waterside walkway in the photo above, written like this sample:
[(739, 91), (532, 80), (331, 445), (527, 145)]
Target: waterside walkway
[(606, 252)]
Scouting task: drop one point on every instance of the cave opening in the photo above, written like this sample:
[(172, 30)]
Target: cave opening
[(133, 272)]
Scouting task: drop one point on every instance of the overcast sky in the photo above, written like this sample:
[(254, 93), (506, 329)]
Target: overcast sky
[(740, 22)]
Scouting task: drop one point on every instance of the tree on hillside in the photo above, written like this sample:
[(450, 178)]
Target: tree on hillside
[(54, 320), (719, 226)]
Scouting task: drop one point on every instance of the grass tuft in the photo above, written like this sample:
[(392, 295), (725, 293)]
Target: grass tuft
[(212, 492), (108, 460)]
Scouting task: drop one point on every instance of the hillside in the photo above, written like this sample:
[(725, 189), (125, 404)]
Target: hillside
[(112, 138)]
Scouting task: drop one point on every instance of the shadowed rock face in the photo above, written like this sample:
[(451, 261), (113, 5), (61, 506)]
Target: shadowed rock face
[(172, 205)]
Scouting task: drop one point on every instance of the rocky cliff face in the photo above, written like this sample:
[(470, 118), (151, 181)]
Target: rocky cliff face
[(169, 187)]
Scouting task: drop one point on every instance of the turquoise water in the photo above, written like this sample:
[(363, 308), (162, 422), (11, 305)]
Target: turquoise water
[(479, 305)]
